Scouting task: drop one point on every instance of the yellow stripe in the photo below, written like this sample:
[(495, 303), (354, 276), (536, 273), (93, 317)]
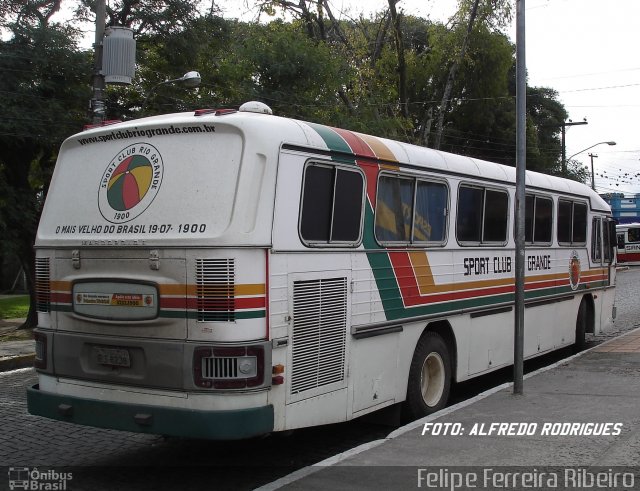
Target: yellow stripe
[(422, 270), (379, 148), (60, 286), (191, 290)]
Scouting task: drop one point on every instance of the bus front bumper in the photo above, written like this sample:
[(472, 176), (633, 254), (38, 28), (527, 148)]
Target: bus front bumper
[(140, 418)]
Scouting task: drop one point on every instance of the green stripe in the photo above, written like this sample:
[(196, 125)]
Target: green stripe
[(379, 262), (180, 314), (332, 139)]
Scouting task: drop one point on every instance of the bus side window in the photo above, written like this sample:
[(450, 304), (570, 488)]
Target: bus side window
[(606, 241), (538, 220), (596, 242), (482, 215), (633, 235), (543, 224), (431, 212), (332, 202), (411, 210), (394, 209), (572, 222), (469, 215)]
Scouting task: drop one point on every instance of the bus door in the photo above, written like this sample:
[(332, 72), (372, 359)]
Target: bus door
[(602, 247)]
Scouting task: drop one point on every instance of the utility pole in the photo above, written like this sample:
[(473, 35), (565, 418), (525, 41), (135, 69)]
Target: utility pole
[(593, 176), (97, 101), (521, 164), (563, 125)]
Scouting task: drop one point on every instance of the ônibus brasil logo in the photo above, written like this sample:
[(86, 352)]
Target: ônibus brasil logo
[(130, 183)]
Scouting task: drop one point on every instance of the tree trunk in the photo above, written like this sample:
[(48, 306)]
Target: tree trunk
[(444, 105), (402, 66)]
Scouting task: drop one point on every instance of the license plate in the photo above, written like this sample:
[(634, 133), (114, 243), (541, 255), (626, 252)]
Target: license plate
[(114, 357)]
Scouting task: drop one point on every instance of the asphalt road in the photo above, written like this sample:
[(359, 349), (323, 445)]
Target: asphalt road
[(105, 459)]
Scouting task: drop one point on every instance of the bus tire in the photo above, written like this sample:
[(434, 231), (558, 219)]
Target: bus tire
[(429, 376), (581, 326)]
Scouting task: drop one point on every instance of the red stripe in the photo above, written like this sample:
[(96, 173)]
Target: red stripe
[(192, 303), (357, 144), (628, 256), (61, 297), (406, 276), (371, 172), (417, 300), (360, 147), (461, 295)]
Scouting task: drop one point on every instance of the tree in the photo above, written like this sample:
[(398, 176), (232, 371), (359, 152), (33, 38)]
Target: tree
[(44, 96)]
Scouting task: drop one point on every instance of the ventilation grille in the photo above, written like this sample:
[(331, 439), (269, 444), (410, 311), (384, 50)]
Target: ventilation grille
[(219, 368), (43, 285), (319, 333), (215, 290)]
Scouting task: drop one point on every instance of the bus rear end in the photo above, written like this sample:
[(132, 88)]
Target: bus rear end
[(151, 268)]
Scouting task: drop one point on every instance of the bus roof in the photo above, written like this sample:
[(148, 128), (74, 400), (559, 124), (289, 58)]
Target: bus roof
[(315, 137)]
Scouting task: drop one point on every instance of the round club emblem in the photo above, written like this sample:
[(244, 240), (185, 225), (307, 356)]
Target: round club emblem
[(574, 270), (130, 183)]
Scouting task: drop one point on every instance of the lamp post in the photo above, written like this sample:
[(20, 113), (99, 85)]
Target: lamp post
[(593, 176), (190, 80), (589, 148)]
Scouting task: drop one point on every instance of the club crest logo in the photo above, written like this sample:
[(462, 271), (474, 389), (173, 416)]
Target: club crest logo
[(130, 183), (574, 270)]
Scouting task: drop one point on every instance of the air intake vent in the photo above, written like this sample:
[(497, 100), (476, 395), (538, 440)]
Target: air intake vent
[(43, 285), (319, 333), (215, 290)]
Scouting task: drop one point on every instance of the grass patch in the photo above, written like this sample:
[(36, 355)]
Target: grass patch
[(14, 307)]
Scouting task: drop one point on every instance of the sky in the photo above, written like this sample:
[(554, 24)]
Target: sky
[(584, 49)]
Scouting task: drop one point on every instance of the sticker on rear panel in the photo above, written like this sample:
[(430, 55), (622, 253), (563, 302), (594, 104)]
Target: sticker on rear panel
[(130, 183), (115, 299)]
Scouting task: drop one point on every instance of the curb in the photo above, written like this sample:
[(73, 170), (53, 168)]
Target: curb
[(15, 362)]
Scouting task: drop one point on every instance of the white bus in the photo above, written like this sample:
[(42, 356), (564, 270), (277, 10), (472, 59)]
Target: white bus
[(225, 274), (628, 238)]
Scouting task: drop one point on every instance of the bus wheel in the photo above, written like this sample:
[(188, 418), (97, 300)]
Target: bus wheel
[(429, 376), (581, 326)]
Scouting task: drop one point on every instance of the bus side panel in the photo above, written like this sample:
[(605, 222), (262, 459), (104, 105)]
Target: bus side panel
[(606, 315)]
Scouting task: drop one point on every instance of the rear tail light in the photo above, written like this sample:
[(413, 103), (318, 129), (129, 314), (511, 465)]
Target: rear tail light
[(228, 368), (277, 378), (107, 122), (40, 361)]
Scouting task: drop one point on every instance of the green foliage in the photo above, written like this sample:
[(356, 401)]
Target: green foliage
[(15, 307), (44, 93)]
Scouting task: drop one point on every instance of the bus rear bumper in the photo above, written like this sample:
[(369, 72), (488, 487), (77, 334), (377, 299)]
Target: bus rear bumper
[(214, 425)]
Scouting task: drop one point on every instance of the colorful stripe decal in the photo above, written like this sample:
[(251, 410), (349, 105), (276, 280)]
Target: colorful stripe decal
[(405, 279), (179, 300)]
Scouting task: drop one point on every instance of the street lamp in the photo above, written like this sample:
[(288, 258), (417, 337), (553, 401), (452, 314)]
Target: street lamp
[(593, 176), (190, 80), (588, 148)]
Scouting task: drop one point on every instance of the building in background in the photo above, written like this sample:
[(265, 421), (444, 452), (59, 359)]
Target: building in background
[(625, 209)]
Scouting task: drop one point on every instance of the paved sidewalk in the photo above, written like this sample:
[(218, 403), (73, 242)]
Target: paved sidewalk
[(595, 395), (15, 354)]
